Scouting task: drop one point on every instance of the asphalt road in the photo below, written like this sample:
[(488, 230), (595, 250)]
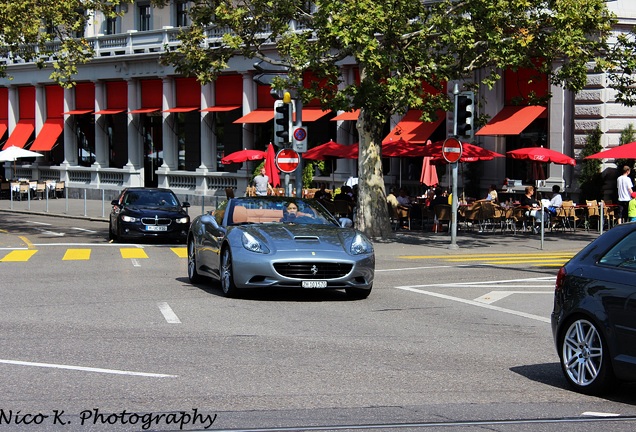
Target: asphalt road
[(112, 337)]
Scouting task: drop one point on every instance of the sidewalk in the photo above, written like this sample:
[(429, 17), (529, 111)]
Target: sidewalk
[(401, 242)]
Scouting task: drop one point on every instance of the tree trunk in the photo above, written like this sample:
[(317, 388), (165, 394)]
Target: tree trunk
[(372, 216)]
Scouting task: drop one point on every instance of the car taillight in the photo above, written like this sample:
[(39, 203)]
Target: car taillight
[(558, 285)]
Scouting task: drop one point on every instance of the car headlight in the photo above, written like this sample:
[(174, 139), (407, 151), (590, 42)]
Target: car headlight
[(361, 245), (183, 220), (252, 244), (129, 218)]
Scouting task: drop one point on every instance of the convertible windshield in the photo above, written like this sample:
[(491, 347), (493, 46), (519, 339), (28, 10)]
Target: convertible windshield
[(278, 210)]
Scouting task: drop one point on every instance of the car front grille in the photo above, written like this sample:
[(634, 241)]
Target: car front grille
[(157, 221), (313, 270)]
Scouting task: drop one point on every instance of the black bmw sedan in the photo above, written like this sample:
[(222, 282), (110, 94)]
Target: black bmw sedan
[(594, 315), (148, 213)]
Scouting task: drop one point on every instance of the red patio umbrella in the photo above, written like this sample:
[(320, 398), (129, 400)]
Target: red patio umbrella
[(243, 156), (541, 154), (625, 151), (470, 153), (318, 152), (271, 170), (429, 172)]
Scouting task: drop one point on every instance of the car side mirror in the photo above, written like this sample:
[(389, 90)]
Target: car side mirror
[(345, 222), (185, 204), (208, 219)]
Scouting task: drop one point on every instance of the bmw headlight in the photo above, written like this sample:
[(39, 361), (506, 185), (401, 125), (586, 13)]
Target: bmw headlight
[(183, 220), (129, 218), (361, 245), (252, 244)]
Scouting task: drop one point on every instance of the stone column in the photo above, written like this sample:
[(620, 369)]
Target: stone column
[(70, 138), (102, 149), (208, 139)]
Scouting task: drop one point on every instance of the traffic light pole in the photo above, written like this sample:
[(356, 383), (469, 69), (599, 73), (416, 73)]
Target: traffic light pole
[(453, 228), (299, 170)]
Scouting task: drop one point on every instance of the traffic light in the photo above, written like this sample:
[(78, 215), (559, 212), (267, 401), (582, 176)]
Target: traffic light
[(282, 122), (465, 114)]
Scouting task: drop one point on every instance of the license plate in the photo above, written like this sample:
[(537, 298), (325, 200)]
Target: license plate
[(314, 284), (156, 228)]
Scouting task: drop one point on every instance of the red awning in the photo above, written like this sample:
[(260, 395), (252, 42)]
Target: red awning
[(110, 111), (313, 114), (221, 108), (20, 134), (347, 115), (144, 111), (512, 120), (77, 112), (48, 135), (181, 109), (412, 130), (260, 115)]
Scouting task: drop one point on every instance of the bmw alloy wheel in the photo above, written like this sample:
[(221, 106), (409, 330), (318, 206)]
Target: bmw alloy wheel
[(584, 358)]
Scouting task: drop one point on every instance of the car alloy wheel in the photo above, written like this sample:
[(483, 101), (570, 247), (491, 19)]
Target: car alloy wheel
[(193, 275), (584, 357), (227, 278)]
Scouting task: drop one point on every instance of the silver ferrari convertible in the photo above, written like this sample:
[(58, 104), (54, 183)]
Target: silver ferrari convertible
[(260, 242)]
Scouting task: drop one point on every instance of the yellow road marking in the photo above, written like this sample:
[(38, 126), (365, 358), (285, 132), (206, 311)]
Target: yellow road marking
[(77, 254), (181, 252), (19, 255), (482, 256), (27, 242), (132, 253), (508, 258)]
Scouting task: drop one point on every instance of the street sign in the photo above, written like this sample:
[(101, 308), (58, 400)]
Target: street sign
[(299, 139), (452, 150), (287, 160)]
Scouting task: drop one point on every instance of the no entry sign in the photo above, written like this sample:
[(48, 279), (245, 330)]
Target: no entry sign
[(452, 150), (287, 160)]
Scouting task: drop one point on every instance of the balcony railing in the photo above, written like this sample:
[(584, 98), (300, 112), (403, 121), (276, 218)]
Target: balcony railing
[(130, 43)]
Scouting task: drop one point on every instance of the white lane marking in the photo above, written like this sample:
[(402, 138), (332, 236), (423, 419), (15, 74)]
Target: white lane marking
[(599, 414), (86, 369), (83, 229), (57, 234), (135, 262), (39, 223), (475, 303), (168, 313), (494, 296)]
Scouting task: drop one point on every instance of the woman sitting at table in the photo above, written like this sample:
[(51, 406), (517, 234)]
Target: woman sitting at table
[(534, 207)]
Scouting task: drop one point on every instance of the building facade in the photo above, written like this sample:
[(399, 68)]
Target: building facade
[(132, 121)]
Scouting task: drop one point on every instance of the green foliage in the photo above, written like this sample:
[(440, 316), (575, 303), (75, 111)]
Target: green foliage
[(38, 31), (590, 178)]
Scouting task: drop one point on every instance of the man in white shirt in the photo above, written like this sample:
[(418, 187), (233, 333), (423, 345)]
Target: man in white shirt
[(625, 188)]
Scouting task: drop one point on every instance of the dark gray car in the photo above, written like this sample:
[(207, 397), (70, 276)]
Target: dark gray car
[(594, 315)]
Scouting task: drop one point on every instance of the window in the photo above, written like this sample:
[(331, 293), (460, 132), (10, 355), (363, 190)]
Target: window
[(623, 254), (110, 26), (181, 15), (144, 23)]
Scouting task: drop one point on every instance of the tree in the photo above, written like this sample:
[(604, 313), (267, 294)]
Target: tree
[(50, 33), (398, 45), (590, 178)]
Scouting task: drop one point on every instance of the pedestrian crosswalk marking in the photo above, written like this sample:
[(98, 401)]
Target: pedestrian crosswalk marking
[(19, 255), (77, 255), (134, 253), (539, 259), (181, 252)]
